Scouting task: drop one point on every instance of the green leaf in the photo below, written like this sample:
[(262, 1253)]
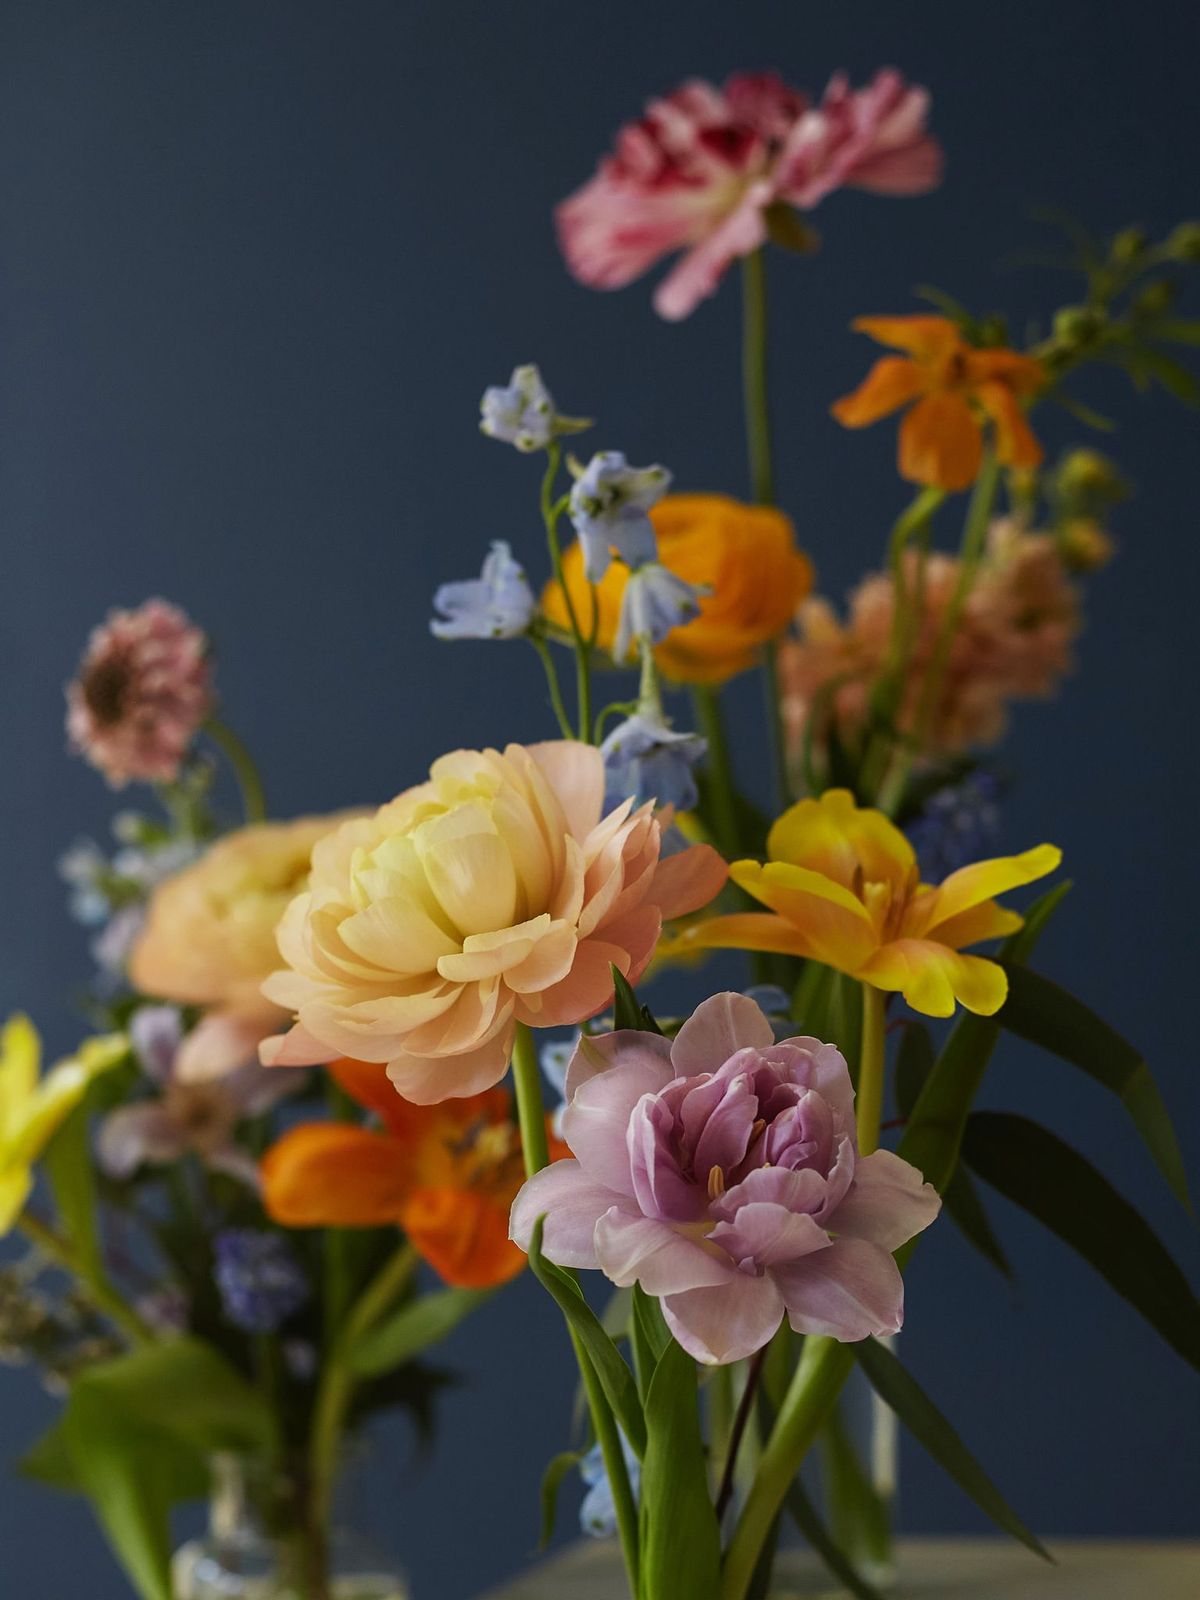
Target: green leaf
[(1172, 375), (1176, 331), (648, 1336), (681, 1546), (808, 1520), (786, 229), (413, 1328), (934, 1133), (914, 1063), (1083, 413), (897, 1388), (552, 1480), (966, 1210), (627, 1011), (72, 1173), (949, 307), (49, 1461), (615, 1377), (1047, 1015), (1054, 1183), (859, 1521)]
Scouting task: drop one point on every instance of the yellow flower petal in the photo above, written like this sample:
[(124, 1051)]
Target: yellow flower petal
[(20, 1053), (984, 880), (834, 836), (744, 930), (988, 921), (836, 925), (932, 977)]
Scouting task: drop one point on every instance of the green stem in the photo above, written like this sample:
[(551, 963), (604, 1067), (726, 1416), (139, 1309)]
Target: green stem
[(822, 1370), (720, 771), (531, 1118), (556, 699), (91, 1280), (869, 1095), (755, 393), (254, 803), (583, 643), (336, 1388)]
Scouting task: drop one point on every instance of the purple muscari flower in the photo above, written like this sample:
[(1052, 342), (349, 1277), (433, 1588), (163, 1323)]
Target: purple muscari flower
[(608, 507), (655, 601), (522, 413), (260, 1281), (958, 825), (721, 1171), (598, 1513), (644, 757), (498, 604)]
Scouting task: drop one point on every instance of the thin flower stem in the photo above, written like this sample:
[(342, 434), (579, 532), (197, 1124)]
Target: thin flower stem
[(552, 510), (92, 1283), (869, 1095), (736, 1433), (556, 699), (254, 802), (531, 1118), (720, 771)]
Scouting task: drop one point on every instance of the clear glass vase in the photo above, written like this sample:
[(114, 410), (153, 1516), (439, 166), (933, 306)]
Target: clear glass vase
[(860, 1460), (258, 1548)]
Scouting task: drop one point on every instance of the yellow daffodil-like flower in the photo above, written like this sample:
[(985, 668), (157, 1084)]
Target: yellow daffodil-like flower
[(32, 1107), (843, 887)]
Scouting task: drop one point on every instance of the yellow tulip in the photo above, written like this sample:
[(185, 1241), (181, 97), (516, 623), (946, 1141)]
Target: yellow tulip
[(843, 889), (32, 1107)]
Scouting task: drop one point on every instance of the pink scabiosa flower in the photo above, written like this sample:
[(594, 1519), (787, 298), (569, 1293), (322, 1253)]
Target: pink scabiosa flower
[(498, 892), (721, 1172), (144, 687), (699, 171)]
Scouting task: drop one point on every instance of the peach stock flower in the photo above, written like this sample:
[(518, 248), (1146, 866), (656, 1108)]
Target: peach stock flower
[(843, 889), (144, 687), (209, 938), (446, 1174), (950, 387), (744, 556), (496, 893)]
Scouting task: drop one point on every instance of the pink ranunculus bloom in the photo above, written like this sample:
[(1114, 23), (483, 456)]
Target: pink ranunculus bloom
[(698, 172), (143, 688), (498, 892), (721, 1172)]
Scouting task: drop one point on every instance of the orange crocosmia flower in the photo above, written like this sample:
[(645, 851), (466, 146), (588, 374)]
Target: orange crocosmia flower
[(843, 889), (447, 1174), (743, 558), (951, 388)]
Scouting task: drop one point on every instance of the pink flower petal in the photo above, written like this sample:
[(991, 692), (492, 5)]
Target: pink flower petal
[(575, 772), (650, 1053), (725, 1323), (698, 274), (887, 1203), (632, 1249), (571, 1203), (716, 1030), (768, 1235), (597, 1115), (848, 1292), (295, 1048)]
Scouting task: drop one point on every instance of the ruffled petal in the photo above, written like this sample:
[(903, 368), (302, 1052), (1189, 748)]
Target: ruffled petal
[(891, 383), (635, 1249), (571, 1203), (849, 1292), (725, 1323), (932, 977), (887, 1203), (717, 1029)]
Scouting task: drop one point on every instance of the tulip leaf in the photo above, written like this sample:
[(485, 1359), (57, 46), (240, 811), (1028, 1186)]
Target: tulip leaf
[(808, 1520), (615, 1377), (934, 1133), (966, 1210), (552, 1480), (72, 1173), (914, 1062), (648, 1337), (681, 1544), (896, 1387), (628, 1012), (411, 1329), (1060, 1188), (858, 1513), (1047, 1015)]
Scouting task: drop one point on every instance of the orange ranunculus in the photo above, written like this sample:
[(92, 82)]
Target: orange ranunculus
[(954, 386), (744, 556), (843, 889), (447, 1174)]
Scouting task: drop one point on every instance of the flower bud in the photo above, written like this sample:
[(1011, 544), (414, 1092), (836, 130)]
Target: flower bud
[(1084, 545), (1077, 325), (1184, 242), (1129, 244)]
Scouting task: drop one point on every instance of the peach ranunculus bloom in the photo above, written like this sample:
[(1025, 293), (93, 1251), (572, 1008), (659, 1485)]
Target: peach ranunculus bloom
[(742, 558), (951, 388), (209, 937), (1013, 642), (496, 893)]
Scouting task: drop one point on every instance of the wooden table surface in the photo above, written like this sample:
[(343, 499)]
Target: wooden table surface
[(948, 1569)]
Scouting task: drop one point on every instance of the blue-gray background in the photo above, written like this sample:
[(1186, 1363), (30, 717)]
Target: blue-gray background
[(259, 259)]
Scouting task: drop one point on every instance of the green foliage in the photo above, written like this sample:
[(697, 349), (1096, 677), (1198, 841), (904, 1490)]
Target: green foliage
[(627, 1011), (552, 1480), (808, 1520), (681, 1545), (411, 1329)]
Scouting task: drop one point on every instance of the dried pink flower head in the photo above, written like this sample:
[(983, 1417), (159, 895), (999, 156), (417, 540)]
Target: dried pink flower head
[(1013, 642), (144, 687)]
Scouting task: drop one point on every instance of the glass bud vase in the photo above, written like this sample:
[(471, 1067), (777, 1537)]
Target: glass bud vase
[(257, 1548), (859, 1456)]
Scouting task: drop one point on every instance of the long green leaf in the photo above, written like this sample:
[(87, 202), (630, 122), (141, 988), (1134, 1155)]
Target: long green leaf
[(858, 1514), (966, 1210), (648, 1337), (72, 1173), (615, 1377), (552, 1480), (413, 1328), (808, 1520), (1061, 1188), (1047, 1015), (934, 1133), (681, 1547), (900, 1390)]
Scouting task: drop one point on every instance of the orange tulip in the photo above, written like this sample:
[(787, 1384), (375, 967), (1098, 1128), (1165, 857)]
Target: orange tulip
[(955, 387), (447, 1174), (744, 556)]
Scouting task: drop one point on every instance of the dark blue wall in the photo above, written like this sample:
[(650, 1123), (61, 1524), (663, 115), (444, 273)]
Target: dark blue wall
[(259, 260)]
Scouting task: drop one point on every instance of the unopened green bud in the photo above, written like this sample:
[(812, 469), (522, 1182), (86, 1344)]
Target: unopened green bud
[(1184, 242), (1077, 324), (1085, 477), (1128, 245), (1156, 298)]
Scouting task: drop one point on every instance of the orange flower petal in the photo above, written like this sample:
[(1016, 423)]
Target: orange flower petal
[(744, 930), (463, 1235), (1015, 442), (368, 1085), (891, 383), (941, 443), (925, 337), (330, 1174), (1021, 374)]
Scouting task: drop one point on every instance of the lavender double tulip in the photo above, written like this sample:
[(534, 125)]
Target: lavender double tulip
[(721, 1172)]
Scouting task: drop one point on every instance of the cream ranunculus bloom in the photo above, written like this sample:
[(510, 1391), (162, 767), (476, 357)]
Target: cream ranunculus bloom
[(498, 892), (209, 938)]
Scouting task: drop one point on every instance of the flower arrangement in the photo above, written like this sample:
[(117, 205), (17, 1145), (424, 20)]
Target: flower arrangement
[(750, 1179)]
